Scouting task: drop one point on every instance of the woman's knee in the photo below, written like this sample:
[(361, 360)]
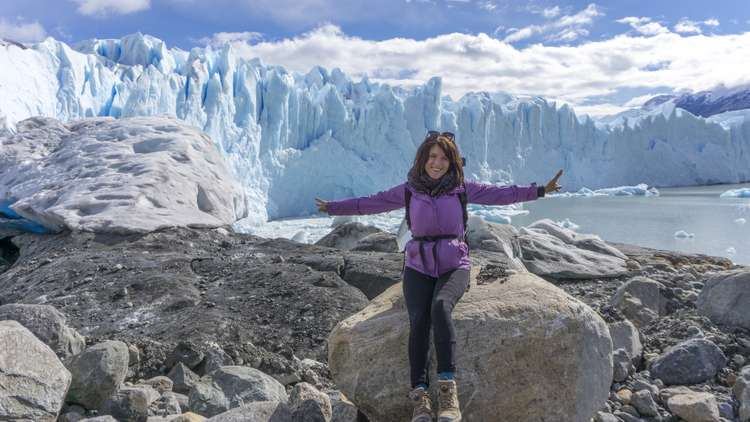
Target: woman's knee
[(441, 310)]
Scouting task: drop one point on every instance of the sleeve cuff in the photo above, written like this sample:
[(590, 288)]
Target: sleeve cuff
[(540, 192)]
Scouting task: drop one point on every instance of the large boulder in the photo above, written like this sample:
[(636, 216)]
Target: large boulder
[(33, 381), (48, 325), (520, 341), (500, 239), (117, 175), (690, 362), (97, 373), (725, 298), (551, 250), (233, 386)]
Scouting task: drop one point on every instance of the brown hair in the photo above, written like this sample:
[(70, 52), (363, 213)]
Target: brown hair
[(450, 150)]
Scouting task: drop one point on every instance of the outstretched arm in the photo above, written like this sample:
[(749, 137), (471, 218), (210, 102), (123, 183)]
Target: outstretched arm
[(487, 194), (384, 201)]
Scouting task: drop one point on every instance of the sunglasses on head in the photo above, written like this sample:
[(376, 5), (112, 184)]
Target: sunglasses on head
[(448, 135)]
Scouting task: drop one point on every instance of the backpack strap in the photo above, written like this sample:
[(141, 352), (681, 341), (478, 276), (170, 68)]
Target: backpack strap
[(464, 206), (407, 200)]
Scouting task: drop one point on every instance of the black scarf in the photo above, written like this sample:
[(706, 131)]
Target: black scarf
[(427, 185)]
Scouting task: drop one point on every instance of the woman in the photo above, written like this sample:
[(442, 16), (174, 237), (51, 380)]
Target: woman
[(436, 268)]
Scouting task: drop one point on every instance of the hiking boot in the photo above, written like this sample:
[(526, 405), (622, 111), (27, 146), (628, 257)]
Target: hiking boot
[(422, 405), (448, 402)]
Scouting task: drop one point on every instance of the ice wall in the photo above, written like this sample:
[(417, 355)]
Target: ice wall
[(291, 137)]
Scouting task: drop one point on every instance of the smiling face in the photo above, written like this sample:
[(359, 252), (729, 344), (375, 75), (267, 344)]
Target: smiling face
[(437, 163)]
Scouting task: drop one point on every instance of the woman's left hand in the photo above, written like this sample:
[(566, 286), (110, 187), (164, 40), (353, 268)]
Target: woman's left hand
[(552, 185)]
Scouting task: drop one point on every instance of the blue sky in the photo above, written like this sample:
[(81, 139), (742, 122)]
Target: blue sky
[(600, 57)]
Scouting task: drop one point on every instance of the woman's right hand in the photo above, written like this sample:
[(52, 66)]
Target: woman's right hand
[(322, 205)]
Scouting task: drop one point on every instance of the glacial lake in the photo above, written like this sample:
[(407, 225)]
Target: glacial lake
[(650, 221)]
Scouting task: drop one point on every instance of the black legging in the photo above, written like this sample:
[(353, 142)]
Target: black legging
[(430, 302)]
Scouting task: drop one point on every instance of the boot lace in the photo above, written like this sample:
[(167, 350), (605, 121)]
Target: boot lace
[(447, 397), (421, 401)]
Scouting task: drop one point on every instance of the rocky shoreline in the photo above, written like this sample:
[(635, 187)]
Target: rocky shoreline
[(184, 324)]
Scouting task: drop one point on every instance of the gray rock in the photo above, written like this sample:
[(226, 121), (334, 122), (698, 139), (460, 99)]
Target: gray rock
[(640, 300), (669, 392), (186, 353), (554, 251), (605, 417), (130, 404), (97, 373), (183, 378), (343, 409), (726, 410), (167, 404), (215, 358), (309, 405), (627, 417), (104, 175), (260, 411), (33, 381), (232, 386), (70, 417), (372, 272), (630, 409), (377, 242), (160, 383), (104, 418), (626, 336), (725, 298), (621, 365), (510, 325), (181, 399), (347, 236), (741, 390), (639, 384), (502, 239), (48, 325), (690, 362), (644, 403), (694, 407)]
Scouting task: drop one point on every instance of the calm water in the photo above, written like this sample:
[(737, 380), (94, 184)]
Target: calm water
[(653, 221)]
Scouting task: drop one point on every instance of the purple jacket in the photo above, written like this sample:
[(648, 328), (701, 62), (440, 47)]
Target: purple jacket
[(433, 216)]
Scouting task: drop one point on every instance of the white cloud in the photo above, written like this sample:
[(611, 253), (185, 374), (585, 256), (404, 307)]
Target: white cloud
[(567, 35), (221, 38), (22, 31), (551, 12), (686, 26), (711, 22), (577, 74), (566, 28), (644, 25), (111, 7), (640, 100), (487, 5)]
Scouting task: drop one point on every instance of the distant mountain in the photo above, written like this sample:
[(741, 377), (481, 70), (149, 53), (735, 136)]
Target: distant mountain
[(706, 103)]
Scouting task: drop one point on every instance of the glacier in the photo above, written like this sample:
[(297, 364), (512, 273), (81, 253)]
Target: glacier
[(288, 137)]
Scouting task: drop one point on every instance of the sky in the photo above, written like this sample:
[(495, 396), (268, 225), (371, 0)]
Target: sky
[(600, 57)]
